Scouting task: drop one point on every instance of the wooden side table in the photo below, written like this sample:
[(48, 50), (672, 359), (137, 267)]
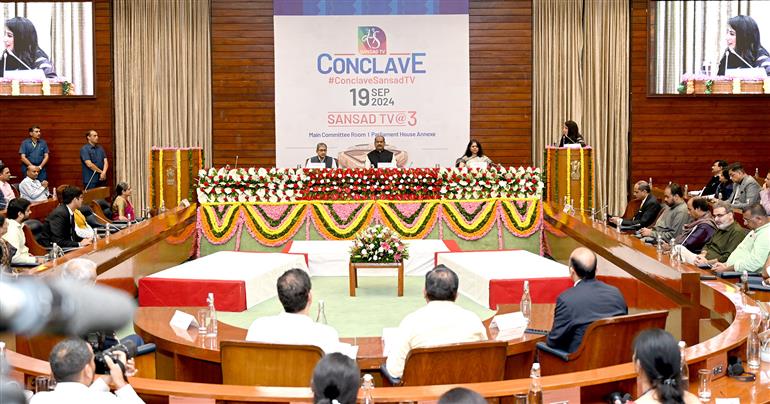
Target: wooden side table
[(353, 268)]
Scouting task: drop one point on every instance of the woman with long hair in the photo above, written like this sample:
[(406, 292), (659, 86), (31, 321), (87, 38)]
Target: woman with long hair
[(474, 153), (20, 40), (744, 49), (335, 380), (658, 364), (571, 135), (121, 206)]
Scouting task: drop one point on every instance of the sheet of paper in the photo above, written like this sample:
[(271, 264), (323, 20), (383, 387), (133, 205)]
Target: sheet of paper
[(389, 338), (510, 321), (728, 401), (351, 351)]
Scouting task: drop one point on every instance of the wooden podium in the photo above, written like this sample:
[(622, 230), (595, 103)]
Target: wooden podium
[(570, 173), (173, 176)]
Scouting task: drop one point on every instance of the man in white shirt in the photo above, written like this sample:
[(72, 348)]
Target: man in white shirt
[(294, 326), (18, 211), (440, 322), (31, 188), (73, 367), (5, 187)]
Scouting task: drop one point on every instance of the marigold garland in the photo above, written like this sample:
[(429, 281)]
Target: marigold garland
[(414, 226), (569, 179), (162, 179), (218, 228), (582, 182), (178, 177), (521, 222), (256, 224), (324, 222), (473, 229)]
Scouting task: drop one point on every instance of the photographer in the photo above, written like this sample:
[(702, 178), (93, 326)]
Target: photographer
[(73, 367)]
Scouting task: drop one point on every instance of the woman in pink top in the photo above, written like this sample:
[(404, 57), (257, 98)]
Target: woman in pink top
[(121, 207)]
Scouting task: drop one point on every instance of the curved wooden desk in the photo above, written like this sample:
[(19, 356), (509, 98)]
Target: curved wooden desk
[(188, 356), (717, 303)]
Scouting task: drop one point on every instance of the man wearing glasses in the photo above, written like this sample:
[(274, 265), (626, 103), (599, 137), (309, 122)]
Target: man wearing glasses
[(322, 158), (59, 226), (725, 240), (752, 252)]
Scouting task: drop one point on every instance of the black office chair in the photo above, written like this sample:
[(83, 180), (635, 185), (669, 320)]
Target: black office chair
[(106, 208), (36, 228)]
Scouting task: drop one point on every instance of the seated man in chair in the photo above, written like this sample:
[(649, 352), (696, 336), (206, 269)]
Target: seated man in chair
[(439, 322), (588, 301), (294, 326), (648, 209)]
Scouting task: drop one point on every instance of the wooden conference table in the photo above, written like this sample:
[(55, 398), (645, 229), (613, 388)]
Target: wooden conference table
[(712, 315), (188, 356)]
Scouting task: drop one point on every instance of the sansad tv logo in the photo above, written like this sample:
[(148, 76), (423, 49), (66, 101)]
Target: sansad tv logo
[(372, 41)]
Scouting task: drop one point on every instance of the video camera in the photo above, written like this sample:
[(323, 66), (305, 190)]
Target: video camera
[(101, 348)]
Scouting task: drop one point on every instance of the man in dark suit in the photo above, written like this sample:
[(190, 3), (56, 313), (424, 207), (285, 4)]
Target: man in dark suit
[(379, 154), (589, 300), (59, 226), (647, 213), (321, 157)]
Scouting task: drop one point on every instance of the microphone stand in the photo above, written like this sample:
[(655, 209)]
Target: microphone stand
[(89, 180)]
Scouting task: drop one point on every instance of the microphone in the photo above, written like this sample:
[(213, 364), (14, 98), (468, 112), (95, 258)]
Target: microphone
[(9, 52), (236, 162), (90, 179), (728, 51), (62, 306)]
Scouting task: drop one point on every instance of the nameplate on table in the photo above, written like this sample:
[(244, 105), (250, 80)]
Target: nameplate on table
[(510, 325), (315, 165), (390, 164), (481, 165), (182, 320)]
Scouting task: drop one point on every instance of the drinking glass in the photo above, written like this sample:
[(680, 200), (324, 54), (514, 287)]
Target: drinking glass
[(42, 383), (704, 384), (204, 318)]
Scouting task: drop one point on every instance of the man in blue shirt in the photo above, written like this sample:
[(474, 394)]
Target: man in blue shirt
[(94, 162), (34, 153)]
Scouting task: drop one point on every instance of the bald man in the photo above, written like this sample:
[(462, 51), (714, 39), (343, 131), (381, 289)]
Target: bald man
[(589, 300), (379, 154)]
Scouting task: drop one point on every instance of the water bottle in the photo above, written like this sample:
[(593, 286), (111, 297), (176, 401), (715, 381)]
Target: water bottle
[(753, 345), (321, 316), (212, 331), (535, 395), (54, 253), (684, 369), (94, 239), (368, 387), (128, 216), (659, 245), (526, 302), (686, 192)]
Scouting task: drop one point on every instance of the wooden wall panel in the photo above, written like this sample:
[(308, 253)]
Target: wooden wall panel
[(243, 80), (678, 138), (64, 122)]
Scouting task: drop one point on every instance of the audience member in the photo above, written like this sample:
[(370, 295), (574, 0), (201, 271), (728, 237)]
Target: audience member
[(673, 218), (439, 322), (32, 189), (745, 190), (716, 170), (474, 154), (579, 306), (294, 325), (6, 190), (6, 250), (764, 195), (34, 153), (657, 361), (19, 211), (570, 134), (699, 231), (59, 226), (648, 209), (379, 154), (93, 160), (122, 209), (335, 380), (321, 157), (752, 252), (73, 367), (461, 395), (724, 241), (725, 187), (83, 270)]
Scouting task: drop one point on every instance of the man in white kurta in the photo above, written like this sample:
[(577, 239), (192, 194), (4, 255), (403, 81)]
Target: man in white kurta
[(18, 211), (439, 322), (294, 326)]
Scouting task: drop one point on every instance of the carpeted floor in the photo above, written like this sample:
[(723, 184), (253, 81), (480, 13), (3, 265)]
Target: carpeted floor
[(376, 305)]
